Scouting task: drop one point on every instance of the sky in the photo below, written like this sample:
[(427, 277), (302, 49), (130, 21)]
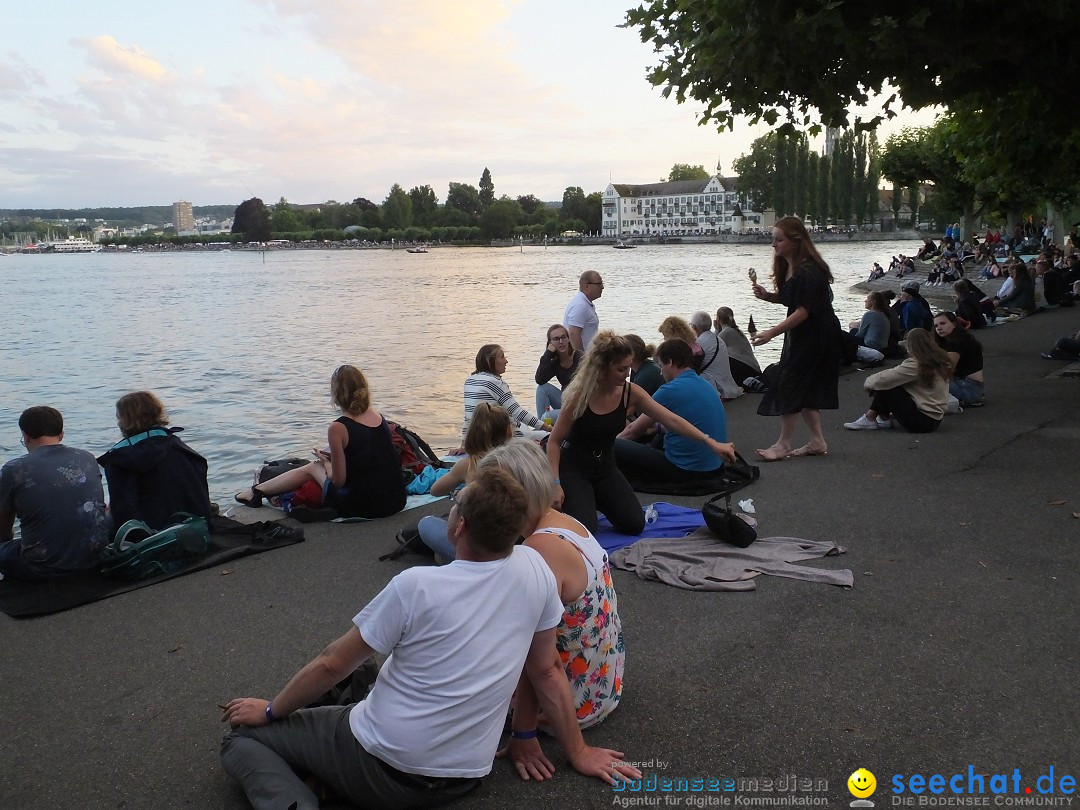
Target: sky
[(120, 103)]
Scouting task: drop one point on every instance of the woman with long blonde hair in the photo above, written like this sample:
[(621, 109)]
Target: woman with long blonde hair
[(580, 450), (809, 368), (360, 476), (915, 393)]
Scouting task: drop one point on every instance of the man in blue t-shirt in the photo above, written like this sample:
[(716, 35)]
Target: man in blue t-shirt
[(55, 491), (686, 394)]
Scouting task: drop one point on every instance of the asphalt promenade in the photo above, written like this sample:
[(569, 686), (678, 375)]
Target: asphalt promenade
[(956, 646)]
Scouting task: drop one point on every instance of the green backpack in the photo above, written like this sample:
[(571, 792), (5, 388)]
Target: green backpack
[(138, 552)]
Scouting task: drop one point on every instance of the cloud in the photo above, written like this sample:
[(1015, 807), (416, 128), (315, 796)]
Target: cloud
[(113, 58), (17, 77)]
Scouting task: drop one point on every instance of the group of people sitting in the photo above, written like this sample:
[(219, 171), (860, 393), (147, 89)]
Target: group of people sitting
[(56, 493), (621, 408)]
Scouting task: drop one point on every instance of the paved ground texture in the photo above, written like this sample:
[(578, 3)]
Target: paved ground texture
[(957, 645)]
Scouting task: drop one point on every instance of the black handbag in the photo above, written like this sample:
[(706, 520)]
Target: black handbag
[(725, 524)]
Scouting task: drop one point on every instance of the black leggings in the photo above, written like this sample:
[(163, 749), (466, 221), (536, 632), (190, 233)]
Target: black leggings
[(740, 370), (591, 482), (897, 403)]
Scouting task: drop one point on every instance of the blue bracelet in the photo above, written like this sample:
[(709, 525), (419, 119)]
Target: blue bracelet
[(523, 735), (270, 712), (557, 481)]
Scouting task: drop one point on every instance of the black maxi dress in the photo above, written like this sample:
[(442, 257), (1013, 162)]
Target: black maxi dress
[(809, 368)]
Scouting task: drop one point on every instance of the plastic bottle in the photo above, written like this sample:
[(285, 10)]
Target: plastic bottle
[(549, 420), (651, 515)]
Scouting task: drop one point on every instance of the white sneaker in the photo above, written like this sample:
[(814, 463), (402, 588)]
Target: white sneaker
[(862, 423), (884, 424)]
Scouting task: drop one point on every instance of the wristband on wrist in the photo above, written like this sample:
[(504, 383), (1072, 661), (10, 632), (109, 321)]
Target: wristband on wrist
[(557, 481), (270, 712), (524, 735)]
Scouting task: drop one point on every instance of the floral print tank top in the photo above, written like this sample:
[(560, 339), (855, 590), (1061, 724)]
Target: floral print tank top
[(589, 638)]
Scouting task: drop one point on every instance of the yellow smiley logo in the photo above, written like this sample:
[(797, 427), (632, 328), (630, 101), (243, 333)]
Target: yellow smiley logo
[(861, 783)]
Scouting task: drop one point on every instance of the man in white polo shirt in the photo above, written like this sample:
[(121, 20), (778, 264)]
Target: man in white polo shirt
[(458, 636), (580, 318)]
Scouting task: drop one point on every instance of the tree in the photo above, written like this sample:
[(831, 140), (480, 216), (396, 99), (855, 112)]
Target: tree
[(757, 170), (529, 204), (594, 210), (397, 209), (574, 205), (501, 217), (684, 171), (759, 64), (463, 197), (252, 219), (283, 218), (487, 189), (425, 205)]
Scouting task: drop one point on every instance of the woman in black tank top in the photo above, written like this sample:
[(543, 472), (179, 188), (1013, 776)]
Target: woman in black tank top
[(360, 476), (593, 414)]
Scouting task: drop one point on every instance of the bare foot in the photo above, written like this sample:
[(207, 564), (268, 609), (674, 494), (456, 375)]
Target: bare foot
[(809, 450), (774, 453)]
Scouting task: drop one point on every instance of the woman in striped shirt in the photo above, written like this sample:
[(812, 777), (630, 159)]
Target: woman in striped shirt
[(487, 385)]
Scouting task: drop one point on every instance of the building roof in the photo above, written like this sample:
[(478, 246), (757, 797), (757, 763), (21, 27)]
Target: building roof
[(672, 187)]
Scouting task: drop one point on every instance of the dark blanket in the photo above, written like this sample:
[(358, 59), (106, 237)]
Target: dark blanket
[(228, 540)]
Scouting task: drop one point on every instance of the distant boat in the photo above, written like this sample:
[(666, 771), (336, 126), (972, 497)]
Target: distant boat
[(421, 249), (70, 245), (621, 245)]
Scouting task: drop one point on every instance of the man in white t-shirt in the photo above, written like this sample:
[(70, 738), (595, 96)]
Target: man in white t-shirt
[(458, 637), (580, 318)]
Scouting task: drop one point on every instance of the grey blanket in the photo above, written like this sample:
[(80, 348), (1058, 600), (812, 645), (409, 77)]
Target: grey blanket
[(698, 562)]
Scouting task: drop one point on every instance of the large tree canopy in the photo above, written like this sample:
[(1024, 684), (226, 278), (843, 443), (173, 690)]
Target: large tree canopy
[(806, 63), (252, 219), (684, 171)]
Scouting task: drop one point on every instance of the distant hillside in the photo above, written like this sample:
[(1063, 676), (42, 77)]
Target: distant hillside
[(150, 214)]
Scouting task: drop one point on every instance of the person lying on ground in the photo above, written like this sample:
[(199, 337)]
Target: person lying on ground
[(152, 474), (1067, 349), (675, 458), (360, 476), (55, 492), (966, 355), (589, 637), (915, 393), (490, 428), (430, 727)]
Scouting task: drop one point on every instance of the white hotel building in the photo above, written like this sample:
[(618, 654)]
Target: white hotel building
[(677, 208)]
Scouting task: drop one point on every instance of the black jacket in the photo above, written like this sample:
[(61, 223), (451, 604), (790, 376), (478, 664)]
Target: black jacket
[(153, 475)]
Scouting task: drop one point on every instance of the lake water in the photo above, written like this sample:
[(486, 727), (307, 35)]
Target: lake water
[(240, 345)]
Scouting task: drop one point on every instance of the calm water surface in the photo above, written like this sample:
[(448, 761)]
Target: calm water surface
[(240, 347)]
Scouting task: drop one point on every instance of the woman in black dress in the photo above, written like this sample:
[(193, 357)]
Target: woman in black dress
[(809, 368)]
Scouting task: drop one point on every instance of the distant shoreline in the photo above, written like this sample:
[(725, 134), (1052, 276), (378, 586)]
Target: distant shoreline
[(763, 238)]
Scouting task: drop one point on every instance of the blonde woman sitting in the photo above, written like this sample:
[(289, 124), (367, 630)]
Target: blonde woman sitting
[(490, 427)]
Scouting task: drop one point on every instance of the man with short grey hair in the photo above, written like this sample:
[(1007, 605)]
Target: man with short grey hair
[(715, 365), (580, 318)]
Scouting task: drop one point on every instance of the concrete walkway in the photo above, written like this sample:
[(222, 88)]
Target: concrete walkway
[(957, 645)]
